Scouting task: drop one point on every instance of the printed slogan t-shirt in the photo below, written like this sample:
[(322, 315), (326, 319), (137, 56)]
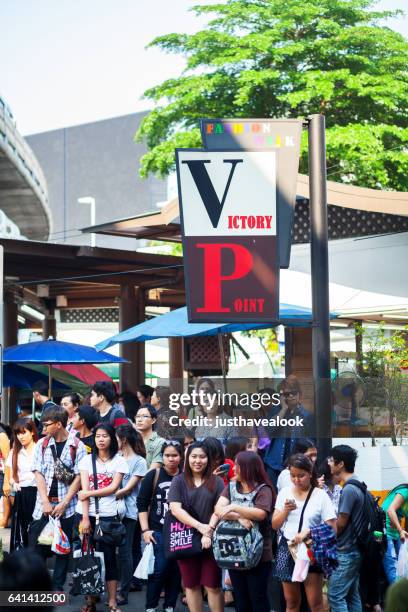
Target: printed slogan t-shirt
[(105, 474)]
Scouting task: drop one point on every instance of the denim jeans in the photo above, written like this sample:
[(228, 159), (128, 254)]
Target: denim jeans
[(390, 559), (166, 574), (344, 595), (126, 557)]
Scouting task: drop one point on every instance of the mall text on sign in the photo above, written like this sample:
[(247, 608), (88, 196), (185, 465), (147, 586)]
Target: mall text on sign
[(228, 214)]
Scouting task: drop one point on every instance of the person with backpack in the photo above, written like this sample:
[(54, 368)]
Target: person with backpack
[(352, 528), (153, 506), (56, 468), (102, 397), (395, 506), (298, 509), (244, 509)]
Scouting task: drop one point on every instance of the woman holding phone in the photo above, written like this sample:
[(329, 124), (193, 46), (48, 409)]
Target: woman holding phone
[(298, 508)]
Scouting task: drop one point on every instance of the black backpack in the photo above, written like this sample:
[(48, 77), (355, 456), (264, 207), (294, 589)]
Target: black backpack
[(374, 520)]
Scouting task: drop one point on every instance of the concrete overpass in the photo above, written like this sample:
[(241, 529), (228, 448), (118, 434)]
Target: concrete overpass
[(23, 188)]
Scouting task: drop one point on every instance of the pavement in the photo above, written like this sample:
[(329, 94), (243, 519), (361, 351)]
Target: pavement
[(136, 600)]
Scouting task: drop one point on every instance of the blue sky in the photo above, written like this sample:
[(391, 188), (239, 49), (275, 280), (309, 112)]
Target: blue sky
[(76, 61)]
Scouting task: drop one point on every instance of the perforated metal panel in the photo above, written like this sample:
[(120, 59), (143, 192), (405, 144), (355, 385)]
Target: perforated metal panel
[(346, 223)]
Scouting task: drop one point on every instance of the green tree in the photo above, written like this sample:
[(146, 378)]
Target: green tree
[(287, 58), (386, 385)]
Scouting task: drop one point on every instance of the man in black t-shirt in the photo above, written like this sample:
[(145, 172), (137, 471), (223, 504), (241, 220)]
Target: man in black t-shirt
[(85, 419), (102, 397)]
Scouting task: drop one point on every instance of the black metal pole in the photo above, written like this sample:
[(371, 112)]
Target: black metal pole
[(320, 283)]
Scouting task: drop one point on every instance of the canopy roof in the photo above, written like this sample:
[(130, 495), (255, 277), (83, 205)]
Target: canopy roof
[(175, 324)]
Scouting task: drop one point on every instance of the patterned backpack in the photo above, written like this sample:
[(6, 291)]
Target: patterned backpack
[(235, 547)]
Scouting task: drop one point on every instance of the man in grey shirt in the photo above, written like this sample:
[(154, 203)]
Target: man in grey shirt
[(344, 595)]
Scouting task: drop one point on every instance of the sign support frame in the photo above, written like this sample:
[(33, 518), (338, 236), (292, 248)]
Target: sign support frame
[(320, 282)]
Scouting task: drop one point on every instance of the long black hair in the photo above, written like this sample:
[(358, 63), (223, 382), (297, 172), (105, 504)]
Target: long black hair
[(133, 438), (113, 446)]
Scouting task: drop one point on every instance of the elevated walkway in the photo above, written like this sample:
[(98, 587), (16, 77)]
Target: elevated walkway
[(23, 188)]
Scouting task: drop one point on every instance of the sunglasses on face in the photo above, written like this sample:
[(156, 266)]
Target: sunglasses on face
[(289, 393)]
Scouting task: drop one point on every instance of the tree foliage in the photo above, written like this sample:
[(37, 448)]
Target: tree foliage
[(385, 359), (286, 58)]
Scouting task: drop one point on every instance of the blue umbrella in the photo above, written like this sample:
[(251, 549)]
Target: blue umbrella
[(175, 324), (54, 351), (18, 376)]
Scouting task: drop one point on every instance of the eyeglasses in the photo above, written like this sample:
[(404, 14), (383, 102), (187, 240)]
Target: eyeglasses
[(48, 424)]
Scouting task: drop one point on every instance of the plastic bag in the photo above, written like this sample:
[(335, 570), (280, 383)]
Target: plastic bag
[(121, 508), (402, 563), (302, 564), (47, 534), (146, 565), (60, 542)]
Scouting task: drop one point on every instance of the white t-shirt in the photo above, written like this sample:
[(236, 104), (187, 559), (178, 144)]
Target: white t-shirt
[(105, 472), (26, 477), (284, 479), (318, 510)]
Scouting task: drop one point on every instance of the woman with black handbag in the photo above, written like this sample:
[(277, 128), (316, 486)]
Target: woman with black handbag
[(298, 508), (192, 497), (101, 476)]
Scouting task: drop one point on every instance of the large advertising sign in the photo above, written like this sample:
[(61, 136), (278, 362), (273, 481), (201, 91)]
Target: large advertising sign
[(279, 135), (230, 243)]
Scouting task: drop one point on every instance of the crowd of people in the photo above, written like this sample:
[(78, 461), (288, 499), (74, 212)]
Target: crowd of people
[(256, 507)]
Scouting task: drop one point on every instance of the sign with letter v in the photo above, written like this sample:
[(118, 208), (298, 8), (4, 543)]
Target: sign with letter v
[(229, 226)]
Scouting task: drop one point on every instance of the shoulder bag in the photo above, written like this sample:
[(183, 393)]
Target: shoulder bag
[(107, 531), (179, 539)]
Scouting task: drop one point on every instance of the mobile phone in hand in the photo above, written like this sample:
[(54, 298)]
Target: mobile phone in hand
[(224, 468)]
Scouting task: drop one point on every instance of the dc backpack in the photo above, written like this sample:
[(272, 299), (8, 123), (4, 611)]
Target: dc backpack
[(235, 547)]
